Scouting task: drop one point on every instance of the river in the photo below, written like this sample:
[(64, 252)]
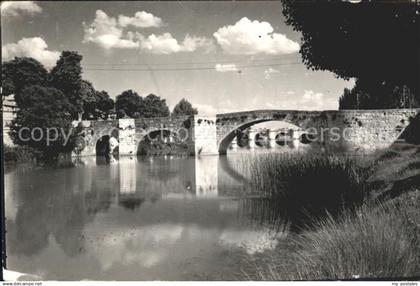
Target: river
[(135, 218)]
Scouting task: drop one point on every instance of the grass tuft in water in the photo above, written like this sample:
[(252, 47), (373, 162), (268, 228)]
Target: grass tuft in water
[(302, 187)]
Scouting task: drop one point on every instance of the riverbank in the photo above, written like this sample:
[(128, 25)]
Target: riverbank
[(350, 218)]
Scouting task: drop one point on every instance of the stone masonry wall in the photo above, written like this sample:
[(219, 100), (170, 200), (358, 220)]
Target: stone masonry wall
[(343, 130), (205, 135), (133, 133), (368, 130)]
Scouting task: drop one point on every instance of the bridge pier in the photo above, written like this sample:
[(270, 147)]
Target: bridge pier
[(272, 138), (234, 144), (295, 135), (251, 139)]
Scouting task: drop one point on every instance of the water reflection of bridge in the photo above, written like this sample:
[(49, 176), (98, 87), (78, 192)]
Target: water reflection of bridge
[(76, 213), (140, 179), (170, 177)]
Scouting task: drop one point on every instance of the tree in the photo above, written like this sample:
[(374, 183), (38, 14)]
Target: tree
[(348, 100), (88, 97), (129, 103), (20, 73), (154, 106), (66, 76), (367, 95), (43, 121), (376, 41), (184, 107), (104, 104), (95, 104)]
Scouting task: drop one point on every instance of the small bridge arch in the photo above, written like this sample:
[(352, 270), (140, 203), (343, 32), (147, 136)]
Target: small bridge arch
[(147, 140), (164, 139), (232, 124)]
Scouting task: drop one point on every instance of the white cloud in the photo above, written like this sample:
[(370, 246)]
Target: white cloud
[(192, 43), (310, 100), (253, 37), (141, 19), (31, 47), (15, 8), (211, 110), (269, 71), (166, 44), (315, 101), (105, 32), (206, 109), (226, 68), (108, 33)]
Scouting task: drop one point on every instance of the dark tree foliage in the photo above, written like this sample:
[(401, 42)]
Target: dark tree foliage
[(184, 107), (43, 108), (104, 104), (412, 133), (88, 97), (20, 73), (66, 76), (129, 103), (349, 100), (376, 41), (120, 113), (365, 96), (154, 106), (96, 104)]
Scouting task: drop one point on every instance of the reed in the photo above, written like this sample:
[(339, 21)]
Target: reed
[(304, 187)]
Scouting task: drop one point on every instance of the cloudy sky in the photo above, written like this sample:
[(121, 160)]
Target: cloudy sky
[(221, 56)]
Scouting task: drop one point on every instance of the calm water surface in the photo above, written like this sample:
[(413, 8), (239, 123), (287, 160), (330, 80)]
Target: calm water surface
[(136, 218)]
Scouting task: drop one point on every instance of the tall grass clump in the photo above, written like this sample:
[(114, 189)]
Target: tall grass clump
[(369, 243), (353, 217), (304, 187)]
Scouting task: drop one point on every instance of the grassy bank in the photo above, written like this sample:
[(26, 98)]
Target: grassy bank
[(353, 217)]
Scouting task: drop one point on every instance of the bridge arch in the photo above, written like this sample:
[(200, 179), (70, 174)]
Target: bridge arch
[(106, 145), (162, 139), (235, 130)]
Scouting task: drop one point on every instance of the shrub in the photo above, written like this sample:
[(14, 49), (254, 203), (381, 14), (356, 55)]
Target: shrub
[(20, 154)]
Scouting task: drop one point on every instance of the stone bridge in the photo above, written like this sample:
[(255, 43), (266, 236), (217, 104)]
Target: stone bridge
[(342, 130)]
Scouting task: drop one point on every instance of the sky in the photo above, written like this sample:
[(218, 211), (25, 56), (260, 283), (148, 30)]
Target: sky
[(221, 56)]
